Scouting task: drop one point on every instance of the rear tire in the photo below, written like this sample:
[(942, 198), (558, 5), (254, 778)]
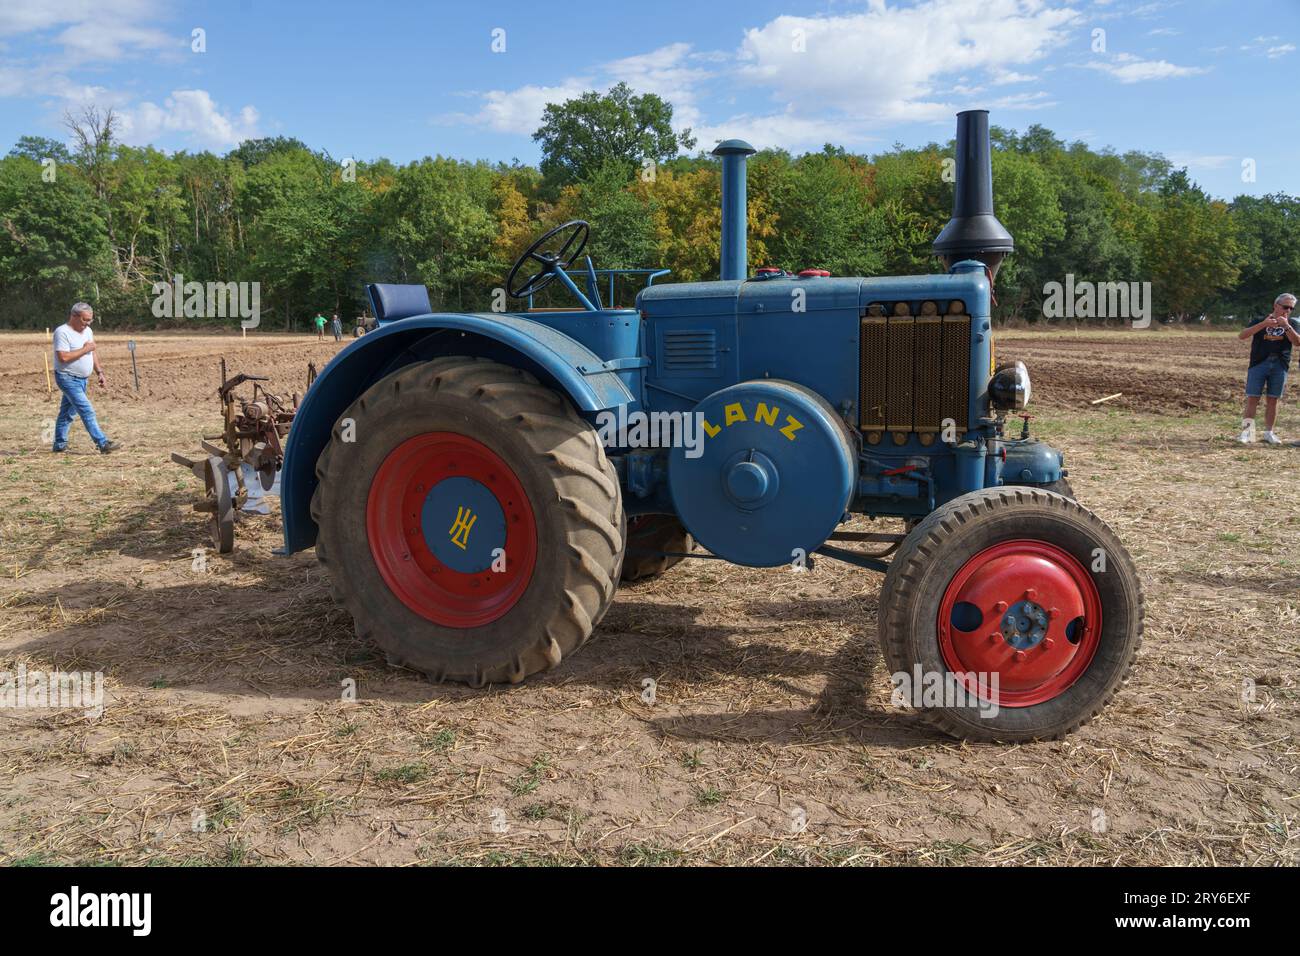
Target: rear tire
[(646, 537), (558, 505), (1031, 546)]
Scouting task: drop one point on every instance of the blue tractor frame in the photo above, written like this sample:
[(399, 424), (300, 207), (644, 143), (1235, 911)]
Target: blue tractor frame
[(818, 397)]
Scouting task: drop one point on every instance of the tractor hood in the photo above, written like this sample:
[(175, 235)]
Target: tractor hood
[(782, 294)]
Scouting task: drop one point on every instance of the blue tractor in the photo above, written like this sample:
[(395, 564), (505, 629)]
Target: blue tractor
[(477, 485)]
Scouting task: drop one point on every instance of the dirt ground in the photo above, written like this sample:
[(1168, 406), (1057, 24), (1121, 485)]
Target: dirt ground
[(771, 739)]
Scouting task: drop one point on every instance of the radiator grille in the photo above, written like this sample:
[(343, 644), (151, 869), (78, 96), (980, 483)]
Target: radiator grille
[(927, 374), (954, 381), (899, 346), (914, 371), (690, 350), (872, 400)]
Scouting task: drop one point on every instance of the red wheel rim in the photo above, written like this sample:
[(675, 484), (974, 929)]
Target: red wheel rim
[(1026, 611), (451, 530)]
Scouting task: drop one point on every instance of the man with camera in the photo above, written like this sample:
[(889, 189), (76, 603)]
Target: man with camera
[(74, 361), (1270, 360)]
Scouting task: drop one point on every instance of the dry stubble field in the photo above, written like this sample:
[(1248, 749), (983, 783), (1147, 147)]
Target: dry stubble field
[(772, 703)]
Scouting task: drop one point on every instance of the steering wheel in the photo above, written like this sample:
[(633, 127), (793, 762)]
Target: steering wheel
[(551, 262)]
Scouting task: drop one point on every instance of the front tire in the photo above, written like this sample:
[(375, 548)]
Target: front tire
[(1026, 587), (1060, 486), (489, 539)]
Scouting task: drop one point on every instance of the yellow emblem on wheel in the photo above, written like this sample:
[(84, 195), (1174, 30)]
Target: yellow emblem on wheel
[(460, 528)]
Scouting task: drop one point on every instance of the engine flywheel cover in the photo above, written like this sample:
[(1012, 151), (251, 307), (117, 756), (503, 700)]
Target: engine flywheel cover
[(774, 478)]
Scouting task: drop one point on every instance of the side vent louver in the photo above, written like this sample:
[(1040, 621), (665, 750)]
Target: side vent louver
[(690, 350)]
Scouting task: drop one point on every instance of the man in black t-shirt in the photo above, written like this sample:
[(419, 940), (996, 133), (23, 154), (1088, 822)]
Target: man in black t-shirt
[(1271, 339)]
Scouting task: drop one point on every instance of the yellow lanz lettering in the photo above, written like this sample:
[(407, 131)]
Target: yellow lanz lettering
[(460, 528), (766, 415)]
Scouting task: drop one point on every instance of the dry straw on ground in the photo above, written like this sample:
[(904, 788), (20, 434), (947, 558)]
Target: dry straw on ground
[(771, 739)]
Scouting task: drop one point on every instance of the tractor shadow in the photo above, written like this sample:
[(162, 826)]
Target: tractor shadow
[(268, 628), (166, 526), (257, 626), (720, 664)]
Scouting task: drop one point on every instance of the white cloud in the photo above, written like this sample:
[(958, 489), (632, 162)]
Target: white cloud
[(1023, 101), (97, 30), (191, 112), (828, 78), (859, 63), (1010, 76), (91, 29), (516, 111), (791, 130), (668, 72), (1200, 161), (1128, 68), (1274, 52)]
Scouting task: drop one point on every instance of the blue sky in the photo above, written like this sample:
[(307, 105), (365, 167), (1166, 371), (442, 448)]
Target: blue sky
[(1210, 83)]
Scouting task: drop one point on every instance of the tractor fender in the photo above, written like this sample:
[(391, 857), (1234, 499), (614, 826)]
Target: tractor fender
[(555, 358)]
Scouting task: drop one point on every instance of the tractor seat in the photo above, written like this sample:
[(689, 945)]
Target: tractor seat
[(393, 302)]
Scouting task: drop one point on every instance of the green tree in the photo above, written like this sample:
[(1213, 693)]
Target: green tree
[(1269, 231), (253, 151), (826, 219), (583, 135), (39, 148), (441, 222), (53, 245), (1190, 249)]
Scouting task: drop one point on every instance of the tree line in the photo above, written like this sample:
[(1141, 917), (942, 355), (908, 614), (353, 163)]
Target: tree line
[(103, 221)]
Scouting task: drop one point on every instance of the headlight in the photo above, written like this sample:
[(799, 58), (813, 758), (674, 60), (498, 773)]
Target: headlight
[(1009, 388)]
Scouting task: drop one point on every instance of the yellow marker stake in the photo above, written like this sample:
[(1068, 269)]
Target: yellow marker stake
[(46, 360)]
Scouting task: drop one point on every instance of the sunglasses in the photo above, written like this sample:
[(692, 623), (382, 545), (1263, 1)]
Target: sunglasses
[(1287, 308)]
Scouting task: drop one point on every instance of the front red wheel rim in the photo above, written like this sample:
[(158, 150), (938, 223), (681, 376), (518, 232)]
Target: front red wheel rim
[(1026, 611), (451, 530)]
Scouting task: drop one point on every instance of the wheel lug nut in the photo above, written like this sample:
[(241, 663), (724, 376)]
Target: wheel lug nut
[(1000, 607), (1047, 643), (995, 636), (1053, 613), (1030, 594), (1020, 655)]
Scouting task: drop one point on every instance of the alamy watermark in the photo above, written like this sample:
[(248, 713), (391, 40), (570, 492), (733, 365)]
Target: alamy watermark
[(64, 690), (1098, 300), (926, 689), (624, 429), (179, 299)]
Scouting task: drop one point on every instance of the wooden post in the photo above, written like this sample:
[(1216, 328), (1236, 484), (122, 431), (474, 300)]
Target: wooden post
[(46, 360)]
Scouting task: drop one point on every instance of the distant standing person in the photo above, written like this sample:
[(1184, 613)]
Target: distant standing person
[(74, 360), (320, 327), (1271, 339), (338, 328)]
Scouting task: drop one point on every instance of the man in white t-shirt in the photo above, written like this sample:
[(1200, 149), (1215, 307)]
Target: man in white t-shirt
[(74, 360)]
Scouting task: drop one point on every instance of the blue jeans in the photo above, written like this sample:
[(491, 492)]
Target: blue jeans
[(1266, 378), (75, 403)]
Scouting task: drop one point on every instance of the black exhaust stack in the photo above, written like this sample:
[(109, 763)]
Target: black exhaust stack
[(974, 232)]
